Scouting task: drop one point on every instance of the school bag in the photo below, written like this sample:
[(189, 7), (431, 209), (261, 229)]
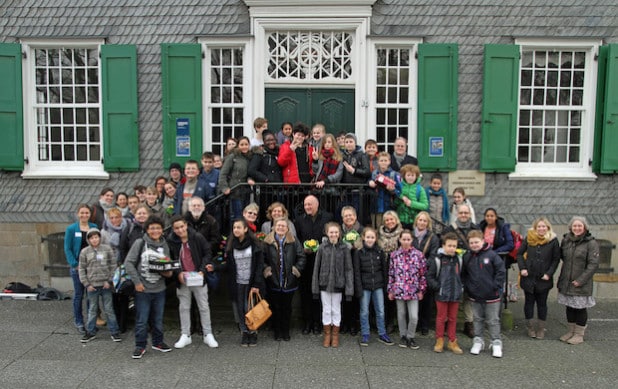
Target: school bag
[(517, 240)]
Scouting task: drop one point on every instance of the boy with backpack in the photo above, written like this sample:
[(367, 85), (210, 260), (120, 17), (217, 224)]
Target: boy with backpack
[(444, 277), (97, 264), (411, 196)]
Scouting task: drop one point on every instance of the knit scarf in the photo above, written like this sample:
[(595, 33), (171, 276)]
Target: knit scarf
[(329, 166), (442, 193), (419, 234), (463, 226), (534, 239), (114, 232)]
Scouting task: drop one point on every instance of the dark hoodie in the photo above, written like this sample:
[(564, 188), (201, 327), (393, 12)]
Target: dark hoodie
[(263, 166)]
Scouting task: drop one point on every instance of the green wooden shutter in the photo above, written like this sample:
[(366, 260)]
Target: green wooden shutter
[(181, 73), (11, 108), (437, 106), (500, 102), (606, 158), (119, 91)]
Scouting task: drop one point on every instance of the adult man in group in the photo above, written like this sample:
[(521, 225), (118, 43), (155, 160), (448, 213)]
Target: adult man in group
[(201, 221), (461, 226), (193, 252), (400, 156), (194, 185), (310, 225)]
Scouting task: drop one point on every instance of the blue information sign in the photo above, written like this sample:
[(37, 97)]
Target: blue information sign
[(436, 146), (183, 138)]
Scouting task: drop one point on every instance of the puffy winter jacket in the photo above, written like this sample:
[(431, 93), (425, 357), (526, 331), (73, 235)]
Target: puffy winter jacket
[(483, 274), (370, 269), (580, 259), (538, 261), (445, 280)]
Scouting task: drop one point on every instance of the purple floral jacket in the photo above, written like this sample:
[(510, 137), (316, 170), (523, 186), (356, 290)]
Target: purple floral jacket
[(406, 274)]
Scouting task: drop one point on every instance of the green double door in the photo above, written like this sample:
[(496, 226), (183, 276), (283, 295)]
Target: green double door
[(332, 107)]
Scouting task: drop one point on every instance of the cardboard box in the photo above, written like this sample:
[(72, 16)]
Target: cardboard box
[(193, 278)]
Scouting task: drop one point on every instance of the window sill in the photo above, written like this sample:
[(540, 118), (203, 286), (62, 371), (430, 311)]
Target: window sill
[(552, 176), (65, 174)]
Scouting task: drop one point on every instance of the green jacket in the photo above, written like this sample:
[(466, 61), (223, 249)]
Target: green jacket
[(414, 192)]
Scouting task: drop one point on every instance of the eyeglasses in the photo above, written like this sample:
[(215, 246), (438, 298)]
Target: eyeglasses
[(251, 213)]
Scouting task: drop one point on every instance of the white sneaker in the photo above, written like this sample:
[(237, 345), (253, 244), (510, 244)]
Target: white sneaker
[(477, 346), (184, 340), (496, 347), (210, 341)]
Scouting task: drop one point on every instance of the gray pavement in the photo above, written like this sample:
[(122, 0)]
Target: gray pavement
[(40, 349)]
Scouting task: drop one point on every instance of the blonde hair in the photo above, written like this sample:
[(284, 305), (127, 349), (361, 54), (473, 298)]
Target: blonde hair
[(392, 214), (251, 207), (426, 214), (274, 205), (545, 221)]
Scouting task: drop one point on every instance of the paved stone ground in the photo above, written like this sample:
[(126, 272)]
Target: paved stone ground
[(40, 349)]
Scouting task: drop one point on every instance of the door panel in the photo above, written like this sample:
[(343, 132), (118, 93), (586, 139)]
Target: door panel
[(332, 107)]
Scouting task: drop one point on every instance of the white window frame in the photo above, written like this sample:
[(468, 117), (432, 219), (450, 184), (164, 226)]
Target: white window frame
[(394, 43), (581, 171), (208, 44), (35, 169)]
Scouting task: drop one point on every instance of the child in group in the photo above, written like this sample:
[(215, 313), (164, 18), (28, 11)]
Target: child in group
[(333, 276), (412, 195), (217, 162), (371, 149), (385, 180), (149, 286), (370, 277), (327, 166), (438, 203), (459, 197), (444, 278), (97, 264), (406, 285), (483, 275), (245, 264), (285, 133), (317, 134), (341, 141)]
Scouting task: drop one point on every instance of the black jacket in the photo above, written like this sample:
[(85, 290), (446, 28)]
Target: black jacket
[(429, 245), (503, 240), (263, 166), (362, 172), (207, 226), (540, 260), (256, 279), (407, 160), (446, 281), (370, 269), (293, 255), (132, 232), (199, 247), (483, 274)]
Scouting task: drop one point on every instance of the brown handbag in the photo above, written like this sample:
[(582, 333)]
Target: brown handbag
[(258, 312)]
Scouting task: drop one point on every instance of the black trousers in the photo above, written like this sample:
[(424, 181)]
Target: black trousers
[(282, 311)]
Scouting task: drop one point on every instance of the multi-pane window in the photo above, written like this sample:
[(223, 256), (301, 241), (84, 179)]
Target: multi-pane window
[(551, 106), (392, 96), (66, 106), (226, 95), (307, 55)]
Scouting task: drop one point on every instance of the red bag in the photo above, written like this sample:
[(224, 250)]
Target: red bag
[(517, 239)]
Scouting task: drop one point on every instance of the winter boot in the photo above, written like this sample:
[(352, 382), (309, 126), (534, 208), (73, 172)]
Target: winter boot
[(530, 328), (335, 338), (496, 349), (454, 347), (477, 346), (327, 337), (540, 329), (439, 346), (570, 332), (578, 335)]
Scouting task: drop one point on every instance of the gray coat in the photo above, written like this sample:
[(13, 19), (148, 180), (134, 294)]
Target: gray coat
[(235, 170), (333, 270), (580, 259)]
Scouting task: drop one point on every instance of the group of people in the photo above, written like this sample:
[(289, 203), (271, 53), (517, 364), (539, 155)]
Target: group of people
[(419, 249)]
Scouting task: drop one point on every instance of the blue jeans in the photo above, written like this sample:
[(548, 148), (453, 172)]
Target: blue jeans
[(108, 308), (78, 298), (149, 309), (378, 305), (236, 207)]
